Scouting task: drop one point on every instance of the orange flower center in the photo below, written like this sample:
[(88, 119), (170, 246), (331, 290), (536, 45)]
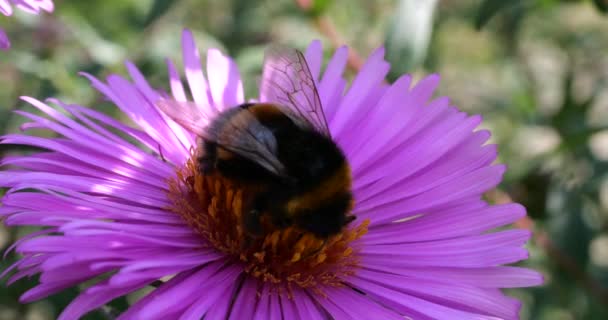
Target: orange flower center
[(213, 206)]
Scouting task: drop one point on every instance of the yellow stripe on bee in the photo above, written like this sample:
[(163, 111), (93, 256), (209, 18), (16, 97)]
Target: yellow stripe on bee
[(224, 154), (265, 111), (338, 183)]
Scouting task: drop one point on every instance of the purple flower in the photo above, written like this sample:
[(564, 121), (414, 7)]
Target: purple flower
[(127, 203), (29, 6)]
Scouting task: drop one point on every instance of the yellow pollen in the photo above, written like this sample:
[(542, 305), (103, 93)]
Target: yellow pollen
[(214, 207)]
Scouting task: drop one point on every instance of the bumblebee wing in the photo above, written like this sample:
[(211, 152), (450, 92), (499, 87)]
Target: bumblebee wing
[(287, 80), (240, 132), (187, 114), (236, 130)]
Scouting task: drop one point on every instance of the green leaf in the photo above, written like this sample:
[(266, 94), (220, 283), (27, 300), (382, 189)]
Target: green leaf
[(159, 8), (601, 5), (489, 8), (569, 226), (314, 8), (319, 6)]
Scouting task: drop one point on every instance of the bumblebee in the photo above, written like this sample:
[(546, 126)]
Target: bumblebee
[(282, 146)]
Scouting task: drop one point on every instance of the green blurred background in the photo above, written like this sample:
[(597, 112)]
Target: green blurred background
[(535, 69)]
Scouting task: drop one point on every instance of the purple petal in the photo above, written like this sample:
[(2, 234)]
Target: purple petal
[(93, 299), (490, 277), (314, 58), (177, 88), (6, 9), (152, 96), (182, 289), (447, 224), (262, 310), (194, 71), (5, 43), (224, 80), (467, 297), (351, 109), (406, 303), (358, 306), (473, 183), (305, 306), (243, 307), (332, 84)]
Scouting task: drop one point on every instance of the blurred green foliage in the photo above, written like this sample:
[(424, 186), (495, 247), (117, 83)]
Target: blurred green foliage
[(535, 69)]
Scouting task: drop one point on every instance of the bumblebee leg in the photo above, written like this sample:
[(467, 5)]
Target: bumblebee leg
[(349, 219)]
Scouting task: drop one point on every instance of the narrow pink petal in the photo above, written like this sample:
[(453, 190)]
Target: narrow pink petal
[(275, 307), (471, 244), (5, 43), (83, 137), (447, 224), (358, 306), (192, 259), (422, 150), (202, 306), (17, 243), (224, 80), (5, 8), (332, 83), (288, 308), (314, 58), (133, 103), (46, 5), (133, 312), (87, 116), (395, 135), (28, 6), (351, 109), (306, 307), (177, 87), (194, 71), (262, 309), (78, 273), (385, 110), (22, 180), (429, 309), (184, 291), (53, 162), (91, 129), (221, 309), (43, 290), (474, 183), (243, 306), (88, 301), (469, 297), (70, 201), (490, 277), (491, 258), (332, 308), (134, 228), (146, 115), (152, 96)]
